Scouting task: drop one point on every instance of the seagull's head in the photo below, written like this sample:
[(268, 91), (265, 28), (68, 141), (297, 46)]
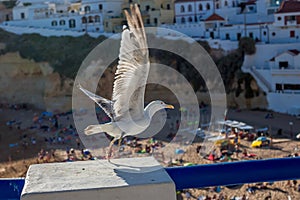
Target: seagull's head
[(124, 27), (155, 106)]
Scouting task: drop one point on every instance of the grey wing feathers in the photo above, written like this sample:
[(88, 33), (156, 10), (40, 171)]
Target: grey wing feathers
[(132, 71), (105, 104)]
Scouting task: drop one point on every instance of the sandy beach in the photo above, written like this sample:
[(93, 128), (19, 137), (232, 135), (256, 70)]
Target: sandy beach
[(21, 143)]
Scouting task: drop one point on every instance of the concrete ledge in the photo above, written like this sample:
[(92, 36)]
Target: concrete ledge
[(122, 179)]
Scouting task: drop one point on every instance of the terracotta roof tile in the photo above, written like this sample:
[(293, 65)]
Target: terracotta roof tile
[(181, 1), (289, 6), (215, 17), (294, 51)]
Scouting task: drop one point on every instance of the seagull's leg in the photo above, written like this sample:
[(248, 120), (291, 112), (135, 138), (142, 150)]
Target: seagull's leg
[(110, 148), (120, 140)]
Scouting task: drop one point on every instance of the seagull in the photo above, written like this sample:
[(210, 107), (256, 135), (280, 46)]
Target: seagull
[(126, 107)]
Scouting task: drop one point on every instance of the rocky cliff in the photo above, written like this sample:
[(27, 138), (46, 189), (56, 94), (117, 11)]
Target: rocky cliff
[(35, 83), (24, 81)]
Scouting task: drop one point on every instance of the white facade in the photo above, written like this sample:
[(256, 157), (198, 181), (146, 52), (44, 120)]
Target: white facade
[(277, 72), (193, 11), (255, 20), (87, 16)]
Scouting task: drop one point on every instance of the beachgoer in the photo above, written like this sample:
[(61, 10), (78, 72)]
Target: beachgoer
[(187, 195), (78, 143)]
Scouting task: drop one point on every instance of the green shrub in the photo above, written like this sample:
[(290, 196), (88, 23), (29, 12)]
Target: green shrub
[(247, 45)]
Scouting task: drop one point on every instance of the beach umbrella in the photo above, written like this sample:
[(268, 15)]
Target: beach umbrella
[(179, 151), (245, 127), (262, 129), (263, 139), (47, 114)]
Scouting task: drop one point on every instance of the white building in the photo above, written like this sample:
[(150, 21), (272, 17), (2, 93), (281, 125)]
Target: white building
[(261, 20), (85, 15), (189, 11), (277, 72)]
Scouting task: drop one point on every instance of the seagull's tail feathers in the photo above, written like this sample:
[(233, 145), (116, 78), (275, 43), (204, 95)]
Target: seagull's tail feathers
[(100, 128), (105, 104)]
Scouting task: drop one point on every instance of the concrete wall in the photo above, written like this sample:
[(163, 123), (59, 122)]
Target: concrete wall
[(284, 103), (123, 179)]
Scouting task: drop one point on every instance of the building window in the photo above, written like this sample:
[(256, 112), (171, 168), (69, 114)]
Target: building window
[(291, 18), (226, 3), (22, 15), (283, 64), (62, 22), (100, 7), (87, 9), (183, 20), (91, 19), (72, 23), (97, 18), (273, 34), (83, 20), (155, 21), (278, 18), (182, 9), (291, 86), (251, 35), (292, 34), (217, 5), (54, 23), (147, 21), (190, 19), (147, 8), (227, 36), (200, 7), (190, 8), (278, 87), (265, 33), (207, 6), (233, 4), (168, 7), (239, 35)]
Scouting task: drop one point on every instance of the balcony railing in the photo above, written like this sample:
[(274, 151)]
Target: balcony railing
[(230, 173)]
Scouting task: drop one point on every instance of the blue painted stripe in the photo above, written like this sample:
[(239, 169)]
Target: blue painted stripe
[(205, 175), (241, 172), (10, 189)]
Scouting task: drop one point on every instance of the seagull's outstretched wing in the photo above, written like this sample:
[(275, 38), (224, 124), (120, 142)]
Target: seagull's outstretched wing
[(105, 104), (133, 69)]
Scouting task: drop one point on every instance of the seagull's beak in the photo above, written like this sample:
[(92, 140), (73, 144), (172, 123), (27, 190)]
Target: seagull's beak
[(169, 106)]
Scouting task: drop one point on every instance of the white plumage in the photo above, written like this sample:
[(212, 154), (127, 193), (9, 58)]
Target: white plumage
[(126, 109)]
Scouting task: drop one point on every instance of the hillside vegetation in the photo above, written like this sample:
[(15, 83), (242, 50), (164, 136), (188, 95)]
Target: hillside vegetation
[(65, 55)]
